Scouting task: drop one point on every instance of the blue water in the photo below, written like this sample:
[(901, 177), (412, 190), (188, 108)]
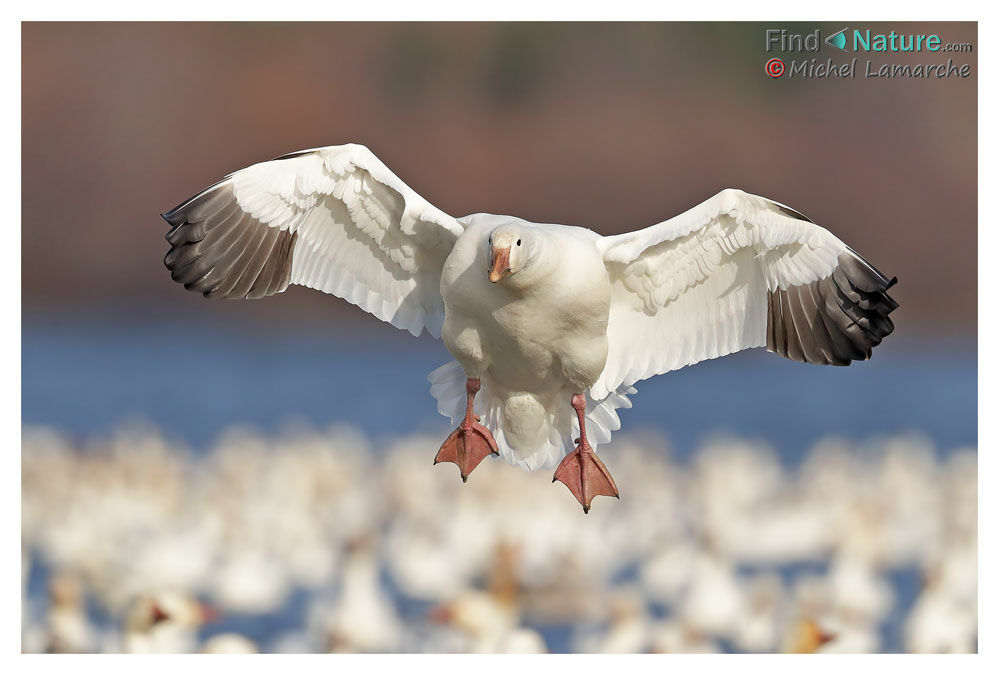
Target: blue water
[(195, 379)]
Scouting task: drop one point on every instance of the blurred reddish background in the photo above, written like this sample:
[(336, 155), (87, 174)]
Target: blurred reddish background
[(610, 126)]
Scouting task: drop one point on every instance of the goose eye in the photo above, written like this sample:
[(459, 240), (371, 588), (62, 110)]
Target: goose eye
[(518, 242)]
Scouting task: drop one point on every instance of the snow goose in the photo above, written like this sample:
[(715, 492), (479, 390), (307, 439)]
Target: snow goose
[(673, 636), (536, 315), (939, 623), (229, 643), (165, 622), (715, 601), (490, 623), (629, 628), (69, 628), (805, 636), (365, 618), (760, 628)]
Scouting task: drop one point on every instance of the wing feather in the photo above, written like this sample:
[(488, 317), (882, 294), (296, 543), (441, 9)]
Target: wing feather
[(334, 219), (734, 272)]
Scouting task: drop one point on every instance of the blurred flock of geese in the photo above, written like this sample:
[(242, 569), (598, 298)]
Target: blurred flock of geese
[(143, 545)]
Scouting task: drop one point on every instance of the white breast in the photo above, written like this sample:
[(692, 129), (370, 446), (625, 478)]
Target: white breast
[(539, 339), (532, 346)]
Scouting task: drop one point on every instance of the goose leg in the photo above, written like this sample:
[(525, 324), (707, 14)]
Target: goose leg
[(471, 442), (581, 470)]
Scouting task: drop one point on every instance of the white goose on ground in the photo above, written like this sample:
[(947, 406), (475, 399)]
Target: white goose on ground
[(165, 622), (537, 316), (490, 624)]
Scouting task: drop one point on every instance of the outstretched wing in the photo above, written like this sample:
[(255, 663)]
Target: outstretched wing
[(334, 218), (734, 272)]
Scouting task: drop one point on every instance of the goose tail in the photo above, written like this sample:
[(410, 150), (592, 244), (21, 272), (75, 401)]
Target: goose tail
[(531, 432)]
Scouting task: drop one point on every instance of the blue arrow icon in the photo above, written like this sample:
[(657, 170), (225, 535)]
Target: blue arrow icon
[(838, 40)]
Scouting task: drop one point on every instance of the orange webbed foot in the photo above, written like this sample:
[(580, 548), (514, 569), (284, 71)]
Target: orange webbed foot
[(585, 475), (467, 445)]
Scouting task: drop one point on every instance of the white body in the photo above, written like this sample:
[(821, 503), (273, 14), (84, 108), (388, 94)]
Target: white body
[(533, 346)]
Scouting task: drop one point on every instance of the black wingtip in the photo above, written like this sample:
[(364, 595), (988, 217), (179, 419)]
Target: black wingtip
[(852, 306), (175, 216), (178, 214), (297, 153), (794, 213)]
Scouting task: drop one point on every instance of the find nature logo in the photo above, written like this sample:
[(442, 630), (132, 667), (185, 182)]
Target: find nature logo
[(861, 41)]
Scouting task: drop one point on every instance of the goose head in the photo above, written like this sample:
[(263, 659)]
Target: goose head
[(512, 247), (168, 608)]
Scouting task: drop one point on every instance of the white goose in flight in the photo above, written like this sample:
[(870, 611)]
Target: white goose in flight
[(537, 316)]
